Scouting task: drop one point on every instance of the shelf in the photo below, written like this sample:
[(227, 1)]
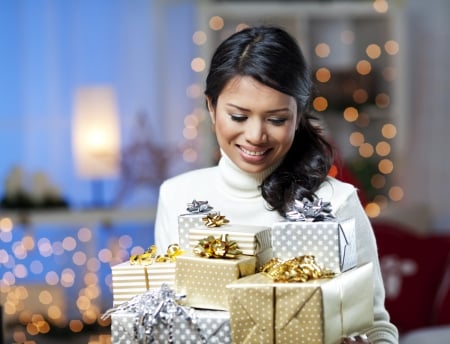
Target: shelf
[(109, 215)]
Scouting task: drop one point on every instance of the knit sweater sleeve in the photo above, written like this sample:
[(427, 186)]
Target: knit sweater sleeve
[(165, 224), (382, 331)]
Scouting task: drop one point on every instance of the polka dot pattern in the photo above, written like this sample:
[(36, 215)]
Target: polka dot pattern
[(295, 310), (186, 222), (332, 243), (203, 280), (315, 312), (299, 315), (214, 327)]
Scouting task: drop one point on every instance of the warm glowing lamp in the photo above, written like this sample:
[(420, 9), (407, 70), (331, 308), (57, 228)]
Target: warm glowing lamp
[(96, 134)]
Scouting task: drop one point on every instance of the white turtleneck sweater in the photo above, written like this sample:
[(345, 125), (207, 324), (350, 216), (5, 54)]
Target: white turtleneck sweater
[(236, 195)]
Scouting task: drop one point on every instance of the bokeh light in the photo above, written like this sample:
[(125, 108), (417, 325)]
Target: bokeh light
[(323, 74), (216, 23), (320, 104), (373, 51), (322, 50), (380, 6), (363, 67), (389, 131)]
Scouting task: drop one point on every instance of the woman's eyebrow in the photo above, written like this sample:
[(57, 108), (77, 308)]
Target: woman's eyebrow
[(240, 108)]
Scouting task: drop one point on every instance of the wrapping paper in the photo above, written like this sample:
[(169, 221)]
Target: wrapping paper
[(196, 211), (129, 280), (157, 317), (263, 257), (316, 312), (185, 223), (204, 280), (332, 243), (250, 239), (214, 326)]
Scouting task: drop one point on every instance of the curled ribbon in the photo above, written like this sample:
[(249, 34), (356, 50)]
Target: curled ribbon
[(150, 256), (315, 211), (214, 220), (198, 207), (211, 247), (298, 269), (153, 307)]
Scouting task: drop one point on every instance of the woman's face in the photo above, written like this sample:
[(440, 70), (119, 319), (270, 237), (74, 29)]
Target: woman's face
[(254, 124)]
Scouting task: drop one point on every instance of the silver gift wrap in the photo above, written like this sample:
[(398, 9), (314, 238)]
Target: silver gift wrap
[(156, 317), (333, 243), (214, 326), (196, 211)]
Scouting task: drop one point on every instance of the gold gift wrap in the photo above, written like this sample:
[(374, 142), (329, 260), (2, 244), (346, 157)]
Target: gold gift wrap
[(321, 311), (251, 239), (129, 280), (333, 243), (204, 280)]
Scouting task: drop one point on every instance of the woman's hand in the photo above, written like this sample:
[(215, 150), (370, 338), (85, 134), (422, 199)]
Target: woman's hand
[(361, 339)]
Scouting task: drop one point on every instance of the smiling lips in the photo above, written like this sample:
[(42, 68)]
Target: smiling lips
[(253, 155)]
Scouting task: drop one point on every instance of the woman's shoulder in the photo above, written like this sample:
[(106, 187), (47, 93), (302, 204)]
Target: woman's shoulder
[(335, 191), (189, 178)]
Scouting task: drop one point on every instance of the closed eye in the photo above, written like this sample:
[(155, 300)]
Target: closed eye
[(277, 121), (238, 118)]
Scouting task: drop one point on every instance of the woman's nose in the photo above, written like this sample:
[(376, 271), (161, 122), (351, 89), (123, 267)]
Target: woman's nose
[(255, 132)]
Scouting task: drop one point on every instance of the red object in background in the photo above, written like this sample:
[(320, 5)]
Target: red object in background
[(413, 268)]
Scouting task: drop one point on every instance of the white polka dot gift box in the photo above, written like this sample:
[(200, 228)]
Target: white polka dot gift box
[(150, 318), (203, 280), (319, 311), (310, 229), (196, 211)]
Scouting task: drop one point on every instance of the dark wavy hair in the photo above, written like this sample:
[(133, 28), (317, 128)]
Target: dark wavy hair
[(272, 56)]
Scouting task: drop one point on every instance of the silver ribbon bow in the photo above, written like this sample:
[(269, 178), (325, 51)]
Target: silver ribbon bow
[(198, 207), (153, 307), (315, 211)]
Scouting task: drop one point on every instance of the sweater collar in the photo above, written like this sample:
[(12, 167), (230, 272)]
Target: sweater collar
[(240, 183)]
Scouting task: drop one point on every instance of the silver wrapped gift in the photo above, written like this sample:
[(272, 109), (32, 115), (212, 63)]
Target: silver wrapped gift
[(157, 317), (311, 229), (196, 211)]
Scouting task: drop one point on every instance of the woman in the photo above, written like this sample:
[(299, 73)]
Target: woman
[(258, 93)]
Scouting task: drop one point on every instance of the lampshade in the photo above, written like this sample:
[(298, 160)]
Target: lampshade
[(96, 133)]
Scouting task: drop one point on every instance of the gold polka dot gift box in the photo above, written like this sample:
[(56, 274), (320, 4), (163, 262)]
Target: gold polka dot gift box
[(320, 311), (143, 272), (311, 229), (204, 280)]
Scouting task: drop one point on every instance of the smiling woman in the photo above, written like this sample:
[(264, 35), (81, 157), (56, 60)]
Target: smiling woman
[(254, 124), (258, 93)]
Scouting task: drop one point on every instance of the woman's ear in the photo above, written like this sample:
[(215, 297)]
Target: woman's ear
[(212, 111)]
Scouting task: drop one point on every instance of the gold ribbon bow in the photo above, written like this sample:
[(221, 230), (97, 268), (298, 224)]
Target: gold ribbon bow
[(214, 220), (149, 256), (298, 269), (221, 247)]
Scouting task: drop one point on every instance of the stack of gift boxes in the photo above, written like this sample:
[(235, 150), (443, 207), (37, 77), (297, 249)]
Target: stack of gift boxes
[(220, 286)]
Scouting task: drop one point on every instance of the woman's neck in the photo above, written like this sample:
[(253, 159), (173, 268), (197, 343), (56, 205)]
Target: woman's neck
[(240, 183)]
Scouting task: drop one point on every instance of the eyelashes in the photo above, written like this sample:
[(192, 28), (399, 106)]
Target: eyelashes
[(276, 121), (238, 118)]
